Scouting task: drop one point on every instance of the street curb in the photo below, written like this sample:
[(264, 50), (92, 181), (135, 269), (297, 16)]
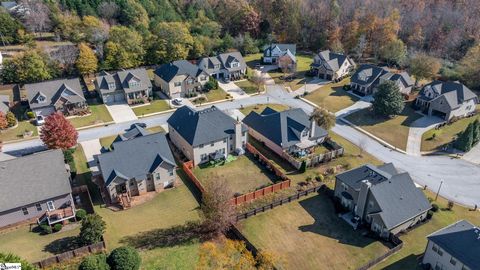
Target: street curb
[(214, 102), (155, 113), (309, 102), (96, 125)]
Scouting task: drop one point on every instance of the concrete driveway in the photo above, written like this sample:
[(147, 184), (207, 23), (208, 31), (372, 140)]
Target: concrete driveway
[(92, 148), (473, 155), (121, 112), (232, 89), (417, 128)]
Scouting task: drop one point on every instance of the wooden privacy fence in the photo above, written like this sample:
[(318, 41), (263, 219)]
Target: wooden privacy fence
[(94, 248), (247, 197), (398, 244), (274, 204), (188, 168), (315, 159), (265, 160)]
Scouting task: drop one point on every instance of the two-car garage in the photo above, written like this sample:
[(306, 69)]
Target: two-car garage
[(113, 97)]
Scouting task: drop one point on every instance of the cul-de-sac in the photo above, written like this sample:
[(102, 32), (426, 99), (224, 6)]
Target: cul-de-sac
[(239, 134)]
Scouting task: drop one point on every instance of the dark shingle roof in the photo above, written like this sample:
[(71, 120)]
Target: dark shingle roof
[(355, 176), (367, 74), (402, 77), (181, 67), (121, 79), (69, 89), (454, 92), (134, 132), (283, 47), (30, 179), (204, 126), (282, 128), (461, 240), (223, 61), (331, 61), (135, 158)]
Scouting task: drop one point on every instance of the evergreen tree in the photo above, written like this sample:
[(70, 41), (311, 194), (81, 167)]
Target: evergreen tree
[(476, 131), (388, 100), (464, 141)]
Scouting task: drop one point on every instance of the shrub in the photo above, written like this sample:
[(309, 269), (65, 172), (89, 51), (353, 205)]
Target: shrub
[(332, 170), (57, 227), (450, 205), (429, 214), (308, 179), (319, 178), (92, 229), (435, 207), (30, 115), (94, 262), (11, 120), (12, 258), (124, 258), (46, 229), (81, 214), (303, 167)]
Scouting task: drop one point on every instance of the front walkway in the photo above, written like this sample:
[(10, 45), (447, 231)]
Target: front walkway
[(91, 148), (121, 112), (417, 128)]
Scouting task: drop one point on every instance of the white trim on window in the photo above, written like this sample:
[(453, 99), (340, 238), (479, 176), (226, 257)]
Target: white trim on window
[(50, 206)]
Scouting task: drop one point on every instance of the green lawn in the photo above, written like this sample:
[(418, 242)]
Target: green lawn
[(17, 133), (34, 247), (243, 175), (332, 96), (84, 175), (247, 86), (260, 107), (414, 242), (307, 234), (99, 115), (211, 96), (158, 105), (253, 59), (394, 130), (445, 135), (107, 141)]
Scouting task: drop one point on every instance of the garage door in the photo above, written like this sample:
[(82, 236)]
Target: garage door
[(119, 97), (45, 111)]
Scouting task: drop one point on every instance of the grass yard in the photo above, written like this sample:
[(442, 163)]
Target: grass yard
[(107, 141), (307, 234), (414, 242), (243, 175), (17, 133), (211, 96), (158, 105), (99, 115), (260, 107), (253, 59), (332, 96), (394, 130), (247, 86), (34, 247), (445, 135)]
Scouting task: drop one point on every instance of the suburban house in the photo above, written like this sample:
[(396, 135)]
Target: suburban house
[(133, 132), (229, 66), (137, 166), (272, 53), (130, 86), (382, 198), (4, 104), (64, 95), (331, 66), (446, 100), (35, 188), (367, 77), (289, 131), (180, 78), (205, 135), (455, 247)]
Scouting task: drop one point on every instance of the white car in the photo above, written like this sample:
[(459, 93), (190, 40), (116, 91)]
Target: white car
[(177, 101), (40, 120)]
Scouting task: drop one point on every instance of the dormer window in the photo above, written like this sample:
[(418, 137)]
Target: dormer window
[(41, 99), (133, 83), (217, 66), (111, 85), (235, 65)]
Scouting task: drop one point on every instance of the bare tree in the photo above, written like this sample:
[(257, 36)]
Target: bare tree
[(37, 16), (108, 11), (362, 144), (65, 56), (258, 80), (285, 63), (323, 118)]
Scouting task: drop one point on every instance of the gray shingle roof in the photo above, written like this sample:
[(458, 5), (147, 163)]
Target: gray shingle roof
[(355, 176), (204, 126), (461, 240), (403, 77), (282, 128), (132, 133), (4, 103), (135, 158), (181, 67), (283, 47), (69, 89), (208, 64), (30, 179), (332, 61), (454, 92), (121, 79), (367, 74)]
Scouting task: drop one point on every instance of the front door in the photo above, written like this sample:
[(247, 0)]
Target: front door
[(122, 188)]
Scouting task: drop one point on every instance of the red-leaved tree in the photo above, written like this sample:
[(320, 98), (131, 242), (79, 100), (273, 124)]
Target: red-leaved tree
[(3, 121), (58, 132)]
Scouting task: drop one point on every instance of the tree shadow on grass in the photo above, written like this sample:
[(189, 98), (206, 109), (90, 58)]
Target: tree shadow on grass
[(62, 245), (169, 237)]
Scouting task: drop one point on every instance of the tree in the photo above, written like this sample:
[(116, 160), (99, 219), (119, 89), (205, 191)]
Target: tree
[(323, 118), (464, 141), (285, 63), (108, 11), (65, 56), (87, 62), (258, 80), (38, 19), (173, 41), (3, 121), (27, 67), (124, 48), (9, 28), (469, 67), (94, 262), (251, 21), (58, 132), (12, 258), (424, 67), (124, 258), (93, 227), (249, 44), (225, 254), (476, 131), (11, 120), (134, 14), (218, 213), (394, 52), (227, 42), (388, 100)]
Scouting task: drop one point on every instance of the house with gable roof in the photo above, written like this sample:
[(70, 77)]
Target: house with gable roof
[(367, 77), (446, 100), (381, 197), (228, 66), (137, 166), (63, 95), (130, 86), (273, 52), (332, 66)]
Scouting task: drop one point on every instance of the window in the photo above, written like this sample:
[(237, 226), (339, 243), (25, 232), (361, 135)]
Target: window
[(370, 204), (38, 206), (203, 78), (157, 176), (435, 248), (244, 133), (201, 145), (203, 156), (177, 84), (170, 172), (132, 183), (111, 85), (344, 187), (453, 261), (25, 211), (212, 144), (50, 206), (440, 252), (224, 140), (190, 81)]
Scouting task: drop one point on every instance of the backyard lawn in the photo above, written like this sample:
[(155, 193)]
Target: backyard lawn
[(307, 234), (332, 96), (414, 242), (394, 130), (247, 86), (260, 107), (99, 115), (158, 105), (243, 175), (444, 135)]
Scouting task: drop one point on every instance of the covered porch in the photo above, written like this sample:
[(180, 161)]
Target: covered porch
[(138, 97)]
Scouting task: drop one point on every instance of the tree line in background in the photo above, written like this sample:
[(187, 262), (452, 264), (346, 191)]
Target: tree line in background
[(129, 33)]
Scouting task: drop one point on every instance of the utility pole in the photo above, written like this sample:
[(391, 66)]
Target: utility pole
[(436, 196)]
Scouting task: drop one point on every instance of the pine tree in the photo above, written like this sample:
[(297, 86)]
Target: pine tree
[(464, 141), (476, 131)]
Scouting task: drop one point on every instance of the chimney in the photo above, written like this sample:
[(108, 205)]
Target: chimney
[(313, 124), (362, 198), (238, 135)]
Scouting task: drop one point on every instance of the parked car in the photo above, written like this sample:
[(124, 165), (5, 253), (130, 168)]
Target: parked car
[(177, 101), (39, 120)]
